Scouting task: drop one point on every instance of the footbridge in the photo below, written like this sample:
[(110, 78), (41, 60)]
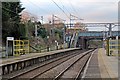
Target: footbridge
[(84, 37), (98, 33)]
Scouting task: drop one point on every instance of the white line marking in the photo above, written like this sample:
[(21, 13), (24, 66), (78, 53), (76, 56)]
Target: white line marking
[(85, 70)]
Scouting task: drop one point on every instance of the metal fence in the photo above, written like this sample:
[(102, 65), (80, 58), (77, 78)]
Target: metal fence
[(20, 47), (114, 47)]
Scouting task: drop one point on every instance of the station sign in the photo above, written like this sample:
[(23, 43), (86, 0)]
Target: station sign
[(10, 38), (117, 37)]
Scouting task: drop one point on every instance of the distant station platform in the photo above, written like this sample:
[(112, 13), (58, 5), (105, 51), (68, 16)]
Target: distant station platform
[(29, 56), (102, 66)]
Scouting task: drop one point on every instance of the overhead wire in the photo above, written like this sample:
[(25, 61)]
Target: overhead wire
[(29, 13), (38, 6), (73, 8), (60, 8), (64, 7), (41, 8), (45, 11)]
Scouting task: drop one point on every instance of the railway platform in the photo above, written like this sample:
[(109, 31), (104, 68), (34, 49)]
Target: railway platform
[(31, 55), (101, 66), (11, 64), (108, 64), (97, 66)]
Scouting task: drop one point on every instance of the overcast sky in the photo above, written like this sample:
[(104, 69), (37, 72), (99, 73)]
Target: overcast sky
[(89, 10)]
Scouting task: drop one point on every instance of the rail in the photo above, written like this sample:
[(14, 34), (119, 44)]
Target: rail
[(59, 75)]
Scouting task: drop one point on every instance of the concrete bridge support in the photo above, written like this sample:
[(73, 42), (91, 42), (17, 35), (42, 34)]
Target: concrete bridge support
[(82, 43)]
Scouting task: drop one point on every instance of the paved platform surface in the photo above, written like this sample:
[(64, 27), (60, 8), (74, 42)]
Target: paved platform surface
[(108, 64), (30, 55), (92, 69), (102, 66)]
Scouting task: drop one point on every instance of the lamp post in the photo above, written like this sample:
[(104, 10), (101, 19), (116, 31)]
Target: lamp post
[(37, 24), (64, 28), (47, 43), (109, 36), (64, 37), (56, 44)]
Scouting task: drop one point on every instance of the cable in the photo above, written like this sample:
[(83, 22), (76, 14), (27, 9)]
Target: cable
[(64, 7), (73, 7), (60, 8), (59, 18), (46, 11), (75, 17), (37, 6)]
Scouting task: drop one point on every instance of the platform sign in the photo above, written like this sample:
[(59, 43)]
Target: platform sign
[(117, 37), (10, 38), (8, 48)]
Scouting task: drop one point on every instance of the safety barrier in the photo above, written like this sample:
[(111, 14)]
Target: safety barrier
[(114, 47), (20, 47)]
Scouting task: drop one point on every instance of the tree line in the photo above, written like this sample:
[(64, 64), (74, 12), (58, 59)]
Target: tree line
[(11, 21), (12, 26)]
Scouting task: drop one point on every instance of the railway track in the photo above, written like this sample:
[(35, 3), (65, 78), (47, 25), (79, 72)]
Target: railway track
[(67, 66), (75, 69), (39, 69), (69, 69)]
